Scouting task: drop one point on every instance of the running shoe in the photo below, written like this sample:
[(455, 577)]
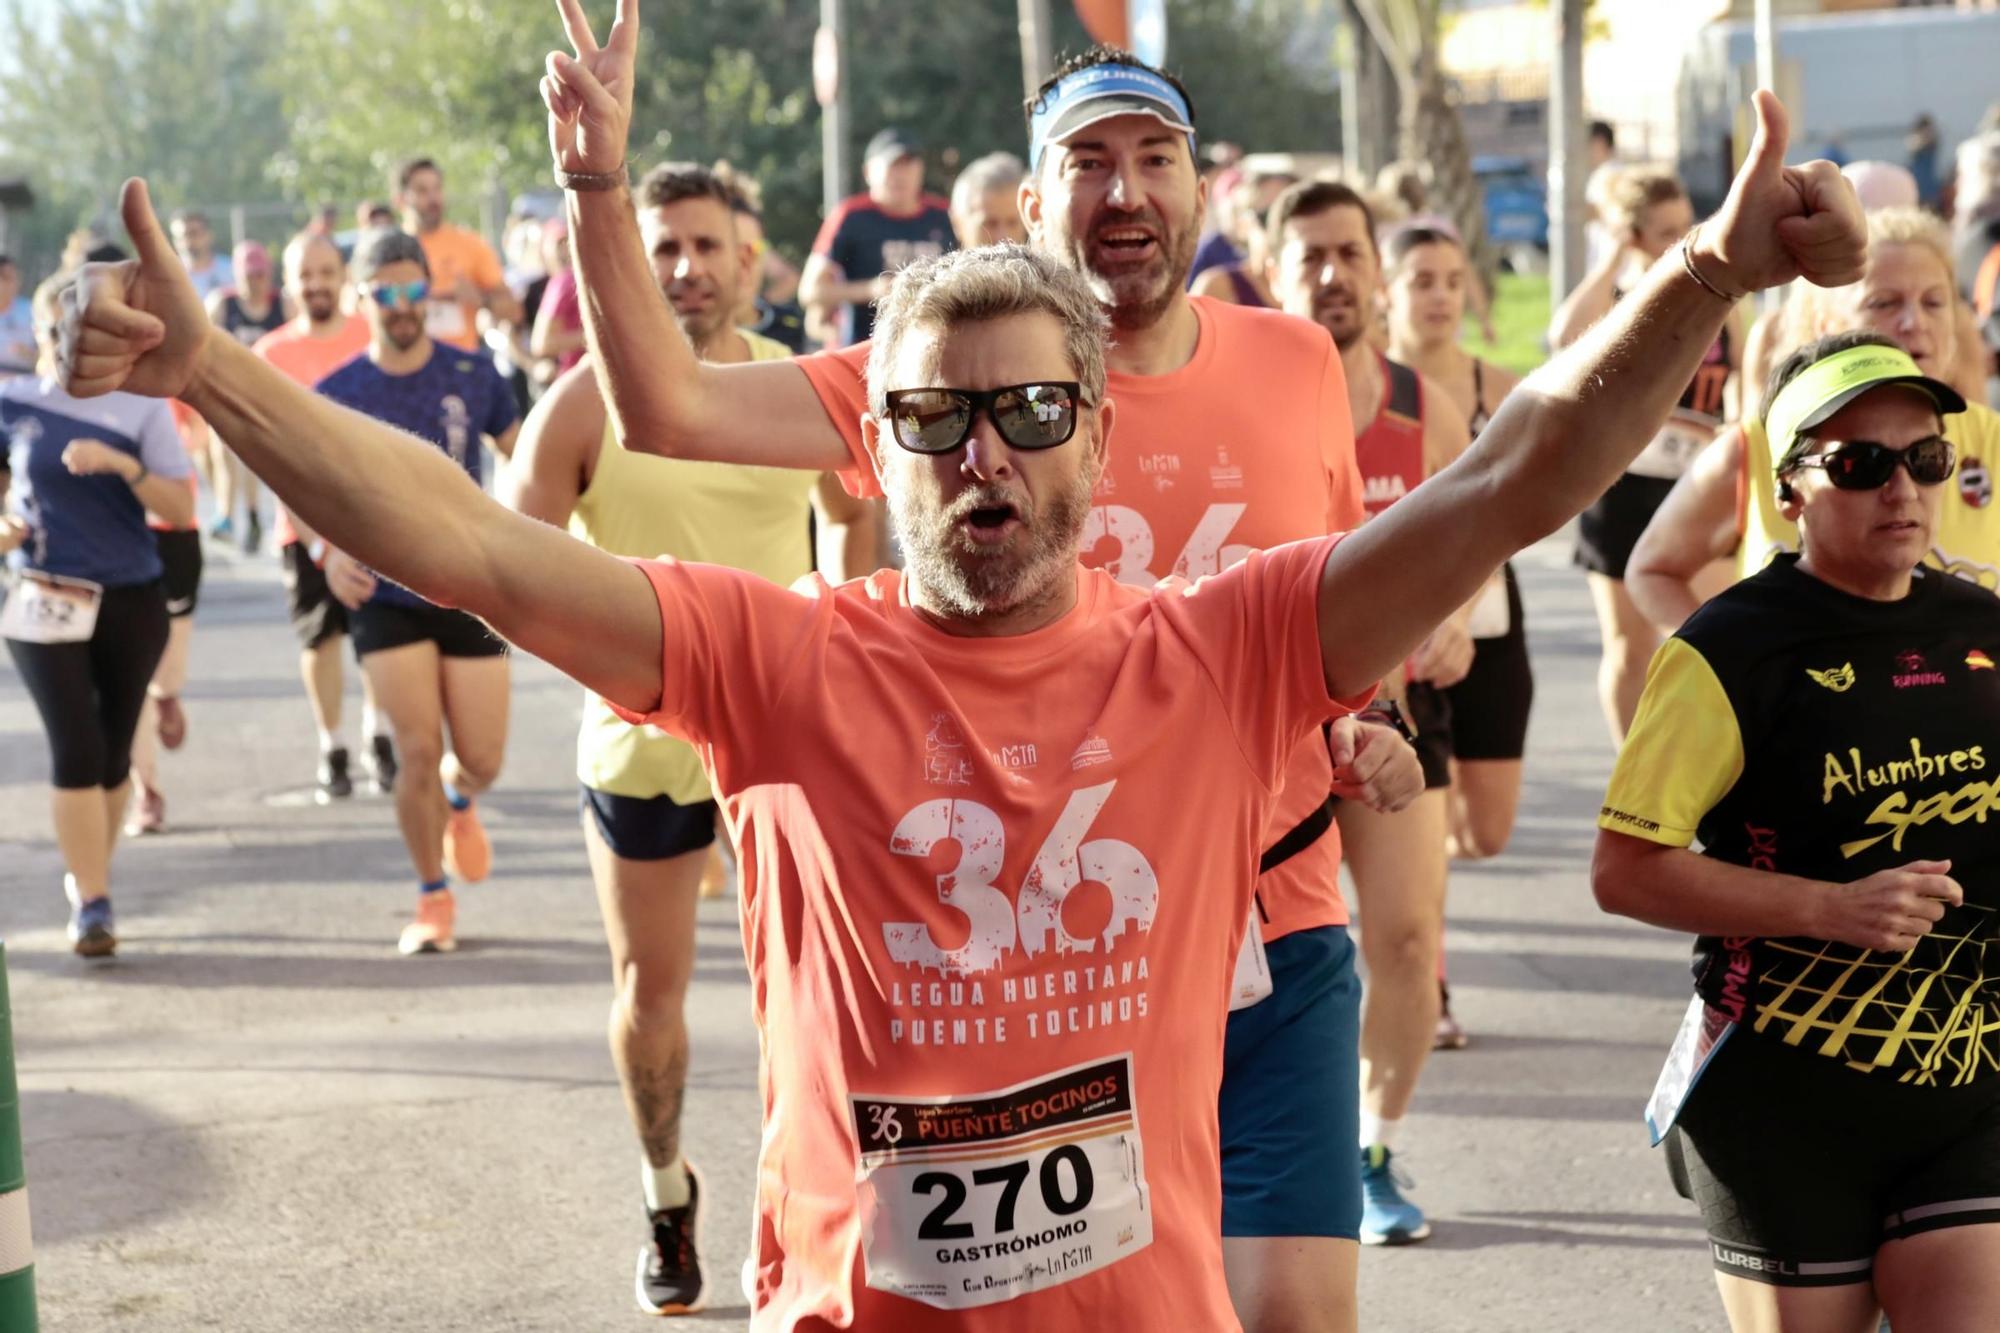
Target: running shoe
[(670, 1280), (380, 759), (253, 533), (173, 721), (431, 931), (334, 784), (91, 932), (147, 813), (1387, 1218), (468, 856), (222, 529), (1450, 1036)]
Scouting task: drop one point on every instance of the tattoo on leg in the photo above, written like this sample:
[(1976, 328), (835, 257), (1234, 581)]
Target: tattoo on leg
[(657, 1093)]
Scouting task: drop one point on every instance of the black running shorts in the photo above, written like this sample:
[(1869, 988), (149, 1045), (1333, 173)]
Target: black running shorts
[(180, 564), (1489, 708), (382, 625), (1428, 711), (1608, 530), (655, 828), (1803, 1168), (316, 615)]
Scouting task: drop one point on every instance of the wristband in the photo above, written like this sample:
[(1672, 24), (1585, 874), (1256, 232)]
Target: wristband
[(1386, 713), (317, 551), (1687, 262), (592, 180)]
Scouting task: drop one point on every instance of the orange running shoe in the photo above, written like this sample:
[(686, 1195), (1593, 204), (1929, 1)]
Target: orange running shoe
[(431, 931), (468, 856)]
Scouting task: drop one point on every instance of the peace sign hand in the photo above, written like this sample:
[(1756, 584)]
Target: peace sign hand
[(589, 95)]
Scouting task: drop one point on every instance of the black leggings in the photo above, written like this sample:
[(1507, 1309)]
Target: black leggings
[(89, 694)]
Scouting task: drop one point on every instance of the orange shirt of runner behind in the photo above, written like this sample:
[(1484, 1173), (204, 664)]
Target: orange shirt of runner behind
[(1246, 447)]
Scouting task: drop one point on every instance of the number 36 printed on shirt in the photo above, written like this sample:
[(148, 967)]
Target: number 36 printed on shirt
[(1204, 554), (1029, 921)]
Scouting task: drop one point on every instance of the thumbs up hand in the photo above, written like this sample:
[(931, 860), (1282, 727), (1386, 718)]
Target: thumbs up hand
[(1780, 222), (136, 325)]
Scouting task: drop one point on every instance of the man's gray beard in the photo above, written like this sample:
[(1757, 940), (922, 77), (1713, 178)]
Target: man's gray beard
[(971, 583)]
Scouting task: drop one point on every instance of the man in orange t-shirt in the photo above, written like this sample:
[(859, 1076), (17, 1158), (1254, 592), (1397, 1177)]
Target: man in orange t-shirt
[(466, 276), (1234, 436), (319, 339), (999, 816)]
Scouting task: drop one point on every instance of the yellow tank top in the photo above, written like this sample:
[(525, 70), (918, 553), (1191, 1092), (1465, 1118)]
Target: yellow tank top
[(752, 518), (1967, 540)]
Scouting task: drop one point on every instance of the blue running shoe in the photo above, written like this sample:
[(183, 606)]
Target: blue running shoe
[(1387, 1218), (91, 933)]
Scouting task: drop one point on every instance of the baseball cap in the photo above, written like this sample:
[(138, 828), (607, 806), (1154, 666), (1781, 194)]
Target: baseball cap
[(1882, 184), (252, 257), (1832, 382), (376, 250), (891, 143), (1099, 92)]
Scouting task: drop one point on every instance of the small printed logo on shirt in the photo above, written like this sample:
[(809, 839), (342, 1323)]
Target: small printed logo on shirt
[(1975, 483), (1091, 751), (945, 763), (1978, 660), (1225, 475), (1016, 756), (1912, 670), (1162, 468), (1840, 679)]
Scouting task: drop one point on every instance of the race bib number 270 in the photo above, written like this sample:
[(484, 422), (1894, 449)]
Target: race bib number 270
[(982, 1198)]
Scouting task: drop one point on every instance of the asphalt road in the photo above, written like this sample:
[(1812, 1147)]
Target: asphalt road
[(261, 1118)]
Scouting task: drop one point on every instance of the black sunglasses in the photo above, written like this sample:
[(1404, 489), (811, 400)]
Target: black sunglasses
[(1028, 416), (1863, 465)]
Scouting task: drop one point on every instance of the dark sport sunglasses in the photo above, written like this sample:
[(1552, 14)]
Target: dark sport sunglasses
[(1863, 465), (1028, 416)]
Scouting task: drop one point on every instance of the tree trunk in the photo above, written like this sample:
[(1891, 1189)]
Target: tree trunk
[(1434, 132)]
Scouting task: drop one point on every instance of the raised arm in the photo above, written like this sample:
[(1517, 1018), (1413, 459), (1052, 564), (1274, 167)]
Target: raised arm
[(1567, 433), (382, 496), (662, 398), (556, 455), (1590, 302), (1691, 530), (850, 531)]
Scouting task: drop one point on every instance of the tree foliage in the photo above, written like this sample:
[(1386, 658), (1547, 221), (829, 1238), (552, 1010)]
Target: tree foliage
[(184, 91), (221, 101)]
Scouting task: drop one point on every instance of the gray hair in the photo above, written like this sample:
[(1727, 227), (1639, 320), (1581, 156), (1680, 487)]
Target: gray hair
[(985, 283), (982, 176)]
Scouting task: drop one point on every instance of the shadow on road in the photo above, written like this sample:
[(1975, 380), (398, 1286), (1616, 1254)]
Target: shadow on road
[(100, 1165)]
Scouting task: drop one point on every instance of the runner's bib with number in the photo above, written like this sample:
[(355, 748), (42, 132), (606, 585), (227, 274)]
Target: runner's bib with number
[(1668, 454), (1703, 1030), (47, 608), (982, 1198), (1252, 980), (444, 318)]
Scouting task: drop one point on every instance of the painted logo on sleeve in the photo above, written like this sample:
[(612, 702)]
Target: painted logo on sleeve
[(1840, 679)]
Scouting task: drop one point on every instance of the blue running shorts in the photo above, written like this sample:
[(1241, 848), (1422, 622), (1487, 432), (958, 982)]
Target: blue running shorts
[(1291, 1096)]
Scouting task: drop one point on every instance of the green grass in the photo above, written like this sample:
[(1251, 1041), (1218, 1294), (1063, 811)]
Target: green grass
[(1520, 322)]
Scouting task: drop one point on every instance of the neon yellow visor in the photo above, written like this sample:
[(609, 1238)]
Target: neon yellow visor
[(1832, 382)]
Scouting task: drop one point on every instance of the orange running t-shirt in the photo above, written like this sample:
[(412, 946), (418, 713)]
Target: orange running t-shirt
[(454, 253), (308, 360), (1246, 447), (993, 894)]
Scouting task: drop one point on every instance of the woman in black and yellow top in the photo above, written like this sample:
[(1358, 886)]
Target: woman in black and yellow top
[(1829, 731)]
